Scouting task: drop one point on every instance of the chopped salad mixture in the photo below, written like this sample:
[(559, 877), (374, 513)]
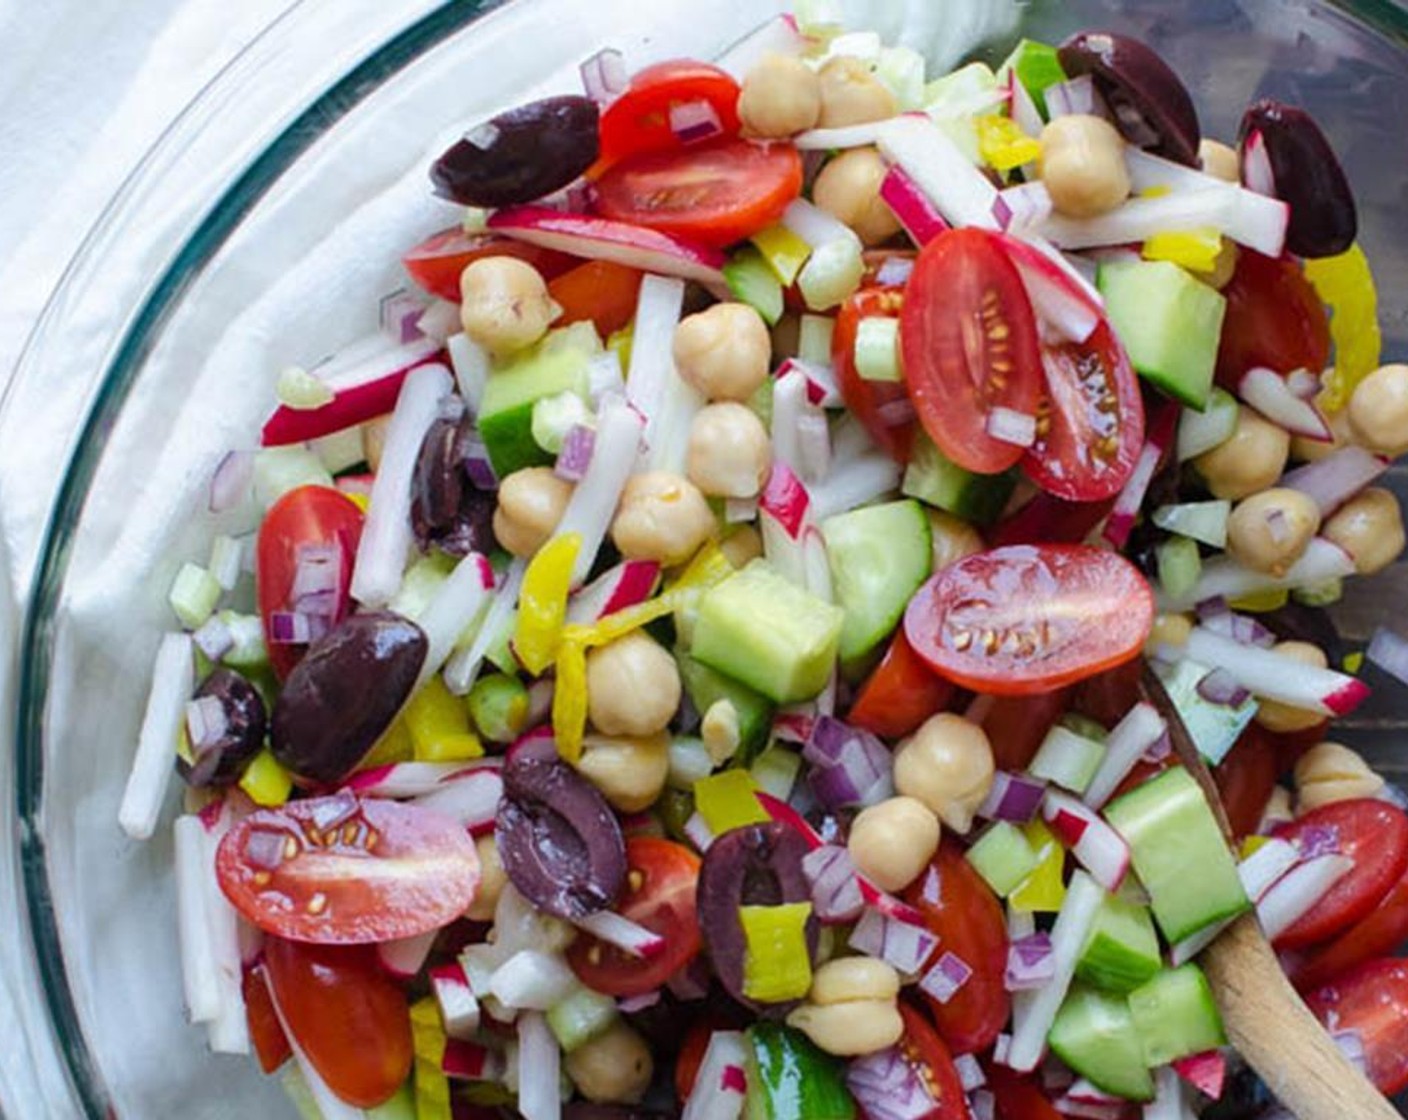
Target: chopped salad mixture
[(716, 650)]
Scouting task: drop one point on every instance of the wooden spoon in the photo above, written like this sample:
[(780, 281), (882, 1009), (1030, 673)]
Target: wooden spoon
[(1265, 1018)]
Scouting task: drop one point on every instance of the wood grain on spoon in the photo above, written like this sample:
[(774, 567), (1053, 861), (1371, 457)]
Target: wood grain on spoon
[(1265, 1018)]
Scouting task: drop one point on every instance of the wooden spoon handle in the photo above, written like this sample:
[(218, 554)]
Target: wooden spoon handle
[(1279, 1037)]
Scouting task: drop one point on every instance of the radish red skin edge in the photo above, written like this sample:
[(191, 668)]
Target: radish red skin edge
[(1030, 618)]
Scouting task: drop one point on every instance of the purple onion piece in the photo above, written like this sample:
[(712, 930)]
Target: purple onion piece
[(1318, 840), (1221, 687), (329, 812), (1306, 175), (948, 975), (1014, 797), (264, 848)]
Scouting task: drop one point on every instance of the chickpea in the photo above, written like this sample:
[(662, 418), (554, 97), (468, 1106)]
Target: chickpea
[(492, 878), (633, 686), (781, 97), (848, 189), (1250, 461), (852, 978), (893, 842), (374, 440), (852, 1007), (1307, 450), (729, 451), (1370, 528), (1168, 630), (1220, 161), (720, 730), (1269, 532), (851, 94), (661, 517), (615, 1067), (724, 351), (531, 503), (951, 538), (948, 765), (1378, 411), (630, 773), (1330, 772), (1276, 716), (742, 546), (505, 304), (1082, 165)]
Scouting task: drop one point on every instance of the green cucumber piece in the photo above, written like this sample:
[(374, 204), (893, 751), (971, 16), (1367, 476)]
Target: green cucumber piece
[(277, 470), (1003, 856), (706, 687), (879, 556), (1179, 854), (1180, 565), (1169, 322), (1214, 728), (877, 349), (767, 632), (194, 595), (580, 1017), (1068, 759), (1094, 1034), (498, 707), (249, 650), (1202, 521), (1175, 1015), (776, 771), (1037, 67), (1325, 594), (789, 1078), (933, 478), (1122, 950), (751, 280), (554, 366)]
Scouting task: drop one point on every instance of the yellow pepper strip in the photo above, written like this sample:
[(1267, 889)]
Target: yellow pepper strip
[(708, 568), (1251, 845), (1346, 284), (776, 964), (266, 782), (728, 800), (1195, 249), (438, 724), (569, 699), (1262, 602), (1003, 144), (1043, 892), (1353, 662), (428, 1043), (542, 604), (395, 745), (1158, 190), (784, 251)]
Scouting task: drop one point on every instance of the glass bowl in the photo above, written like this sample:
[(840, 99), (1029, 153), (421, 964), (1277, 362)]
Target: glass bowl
[(260, 232)]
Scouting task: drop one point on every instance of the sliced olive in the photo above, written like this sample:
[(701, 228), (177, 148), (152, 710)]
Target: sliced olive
[(1151, 105), (559, 841), (520, 155), (222, 757), (1305, 174), (340, 699), (757, 865), (447, 510)]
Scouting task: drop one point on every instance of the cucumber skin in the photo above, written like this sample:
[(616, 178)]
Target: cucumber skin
[(797, 1080), (706, 686), (1175, 1015), (1122, 951), (1125, 1074)]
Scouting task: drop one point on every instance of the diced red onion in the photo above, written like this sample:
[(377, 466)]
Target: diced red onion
[(1221, 687), (214, 638), (1002, 1049), (630, 1005), (264, 848), (698, 832), (206, 722), (902, 945), (888, 1087), (982, 1104), (1389, 651), (1336, 478), (894, 271), (1013, 797), (850, 766), (604, 375), (576, 453), (329, 812), (1022, 208), (1076, 97), (1160, 748), (1031, 963), (1303, 383), (693, 122), (399, 314), (296, 628), (1022, 108), (317, 569), (232, 481), (947, 977), (1351, 1045), (970, 1072), (478, 466), (604, 76), (911, 206), (1314, 841), (1011, 426), (836, 893), (483, 136)]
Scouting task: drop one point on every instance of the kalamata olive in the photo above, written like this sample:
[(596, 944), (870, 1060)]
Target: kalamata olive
[(520, 155), (447, 510), (757, 865), (559, 841), (235, 731), (344, 694), (1151, 105), (1303, 173)]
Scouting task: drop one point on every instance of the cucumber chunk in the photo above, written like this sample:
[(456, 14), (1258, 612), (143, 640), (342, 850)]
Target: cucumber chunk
[(1094, 1034), (751, 280), (556, 365), (706, 687), (1003, 857), (1214, 728), (1067, 758), (1180, 565), (1037, 67), (1175, 1015), (1179, 854), (1122, 950), (789, 1078), (933, 478), (879, 556)]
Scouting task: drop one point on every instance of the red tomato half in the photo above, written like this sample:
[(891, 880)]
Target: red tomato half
[(1372, 1001), (1108, 696), (715, 194), (929, 1057), (639, 120), (1030, 618), (1245, 779), (659, 896), (308, 872), (1383, 931), (350, 1020), (967, 918), (1016, 725), (1274, 319), (265, 1032), (881, 406), (1018, 1097), (900, 694), (601, 291), (1374, 834), (309, 515), (436, 263), (969, 343)]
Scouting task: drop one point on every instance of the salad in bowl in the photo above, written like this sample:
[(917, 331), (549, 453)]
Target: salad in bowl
[(717, 649)]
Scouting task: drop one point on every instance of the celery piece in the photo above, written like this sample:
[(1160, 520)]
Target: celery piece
[(751, 280), (194, 595), (776, 771), (1003, 857), (420, 584), (277, 470), (814, 339), (877, 350), (1068, 758), (1180, 565), (581, 1017), (226, 556), (832, 274), (498, 707)]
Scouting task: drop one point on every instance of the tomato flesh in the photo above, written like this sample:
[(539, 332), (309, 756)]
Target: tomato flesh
[(882, 407), (348, 1018), (659, 896), (1274, 319), (1016, 725), (715, 194), (968, 920), (927, 1055), (969, 343), (1245, 779), (639, 120), (1018, 1097), (1374, 834), (1372, 1001), (307, 516), (385, 870), (900, 693), (437, 262), (1383, 931), (265, 1032), (602, 292), (1030, 618)]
